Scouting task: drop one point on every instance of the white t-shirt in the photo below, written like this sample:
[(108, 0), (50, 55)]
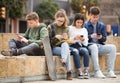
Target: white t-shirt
[(73, 31)]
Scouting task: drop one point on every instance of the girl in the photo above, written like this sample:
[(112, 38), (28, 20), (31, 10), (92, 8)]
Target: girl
[(58, 32), (79, 35)]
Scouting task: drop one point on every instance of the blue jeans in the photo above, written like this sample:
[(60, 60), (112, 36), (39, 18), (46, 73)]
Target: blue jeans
[(77, 52), (98, 49), (65, 53)]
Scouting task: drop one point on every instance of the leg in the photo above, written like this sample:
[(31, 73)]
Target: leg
[(94, 55), (111, 50), (31, 49), (85, 53), (76, 57), (65, 55), (15, 44)]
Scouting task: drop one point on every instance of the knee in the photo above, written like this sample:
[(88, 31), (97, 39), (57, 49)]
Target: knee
[(93, 47), (34, 45), (84, 51), (113, 47), (65, 44), (75, 51), (12, 40)]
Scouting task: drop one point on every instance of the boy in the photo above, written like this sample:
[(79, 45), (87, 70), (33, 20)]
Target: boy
[(97, 36), (32, 40)]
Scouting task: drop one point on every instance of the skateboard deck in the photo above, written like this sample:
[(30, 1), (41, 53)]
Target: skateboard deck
[(49, 59)]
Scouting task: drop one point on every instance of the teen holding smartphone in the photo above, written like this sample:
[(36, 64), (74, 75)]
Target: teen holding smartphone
[(79, 35)]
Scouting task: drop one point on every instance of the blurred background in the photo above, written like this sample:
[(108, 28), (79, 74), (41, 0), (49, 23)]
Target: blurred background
[(13, 12)]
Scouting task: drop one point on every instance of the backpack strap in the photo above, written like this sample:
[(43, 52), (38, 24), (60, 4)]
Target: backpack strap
[(52, 30), (39, 32)]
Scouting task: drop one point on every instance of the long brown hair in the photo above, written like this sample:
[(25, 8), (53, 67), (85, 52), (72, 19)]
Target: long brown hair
[(62, 13)]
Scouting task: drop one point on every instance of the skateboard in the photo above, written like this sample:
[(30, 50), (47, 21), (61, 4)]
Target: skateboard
[(49, 58)]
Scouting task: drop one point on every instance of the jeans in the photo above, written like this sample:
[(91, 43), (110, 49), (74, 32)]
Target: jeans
[(98, 49), (65, 53), (77, 52), (24, 48)]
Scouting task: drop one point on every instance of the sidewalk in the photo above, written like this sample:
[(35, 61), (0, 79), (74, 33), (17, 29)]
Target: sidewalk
[(75, 80)]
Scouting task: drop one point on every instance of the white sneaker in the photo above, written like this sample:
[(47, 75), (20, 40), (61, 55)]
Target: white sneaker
[(111, 74), (99, 74)]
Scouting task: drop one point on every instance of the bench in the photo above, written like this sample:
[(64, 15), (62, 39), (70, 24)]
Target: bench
[(30, 68)]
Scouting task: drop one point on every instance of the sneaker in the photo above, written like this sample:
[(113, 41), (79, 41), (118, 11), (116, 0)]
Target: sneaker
[(6, 53), (99, 74), (111, 74), (9, 52), (69, 76), (81, 76), (86, 75)]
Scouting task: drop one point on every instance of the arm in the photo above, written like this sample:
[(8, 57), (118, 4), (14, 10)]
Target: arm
[(43, 34), (85, 42), (103, 33)]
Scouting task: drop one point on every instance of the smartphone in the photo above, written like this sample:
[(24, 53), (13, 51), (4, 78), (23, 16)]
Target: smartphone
[(98, 34), (81, 35)]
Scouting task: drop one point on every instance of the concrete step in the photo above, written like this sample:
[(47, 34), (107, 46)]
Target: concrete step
[(35, 68)]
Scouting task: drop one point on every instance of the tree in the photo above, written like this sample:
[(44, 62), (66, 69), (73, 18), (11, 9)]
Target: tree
[(47, 9), (76, 6), (14, 9)]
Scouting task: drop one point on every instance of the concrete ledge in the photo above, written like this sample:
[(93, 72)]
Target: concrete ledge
[(29, 68), (34, 67)]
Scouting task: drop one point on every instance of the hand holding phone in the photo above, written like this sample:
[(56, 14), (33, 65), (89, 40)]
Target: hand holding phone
[(81, 35), (98, 34), (19, 36)]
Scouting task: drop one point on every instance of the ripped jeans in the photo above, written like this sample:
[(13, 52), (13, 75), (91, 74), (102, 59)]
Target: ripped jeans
[(64, 52)]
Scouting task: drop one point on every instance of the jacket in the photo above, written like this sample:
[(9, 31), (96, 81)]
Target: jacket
[(100, 29), (36, 35)]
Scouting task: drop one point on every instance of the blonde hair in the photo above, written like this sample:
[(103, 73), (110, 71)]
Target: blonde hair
[(62, 13), (32, 16)]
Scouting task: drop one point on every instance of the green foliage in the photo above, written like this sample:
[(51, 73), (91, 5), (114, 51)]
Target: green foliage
[(93, 2), (76, 6), (47, 9), (14, 7), (16, 11)]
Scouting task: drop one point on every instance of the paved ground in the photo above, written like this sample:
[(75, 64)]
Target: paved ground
[(75, 80)]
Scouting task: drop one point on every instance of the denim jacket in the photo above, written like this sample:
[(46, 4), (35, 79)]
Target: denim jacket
[(100, 29)]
